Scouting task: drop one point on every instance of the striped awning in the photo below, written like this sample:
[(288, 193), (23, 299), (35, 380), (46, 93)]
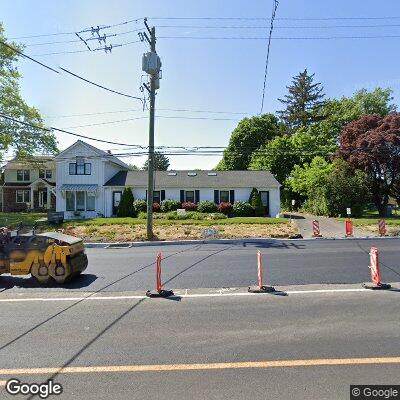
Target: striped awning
[(78, 187)]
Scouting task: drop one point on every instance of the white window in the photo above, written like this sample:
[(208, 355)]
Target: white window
[(80, 167), (189, 196), (80, 201), (90, 201), (45, 173), (224, 196), (23, 175), (23, 196), (70, 200)]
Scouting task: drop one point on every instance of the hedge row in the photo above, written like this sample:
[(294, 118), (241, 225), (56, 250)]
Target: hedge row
[(129, 207)]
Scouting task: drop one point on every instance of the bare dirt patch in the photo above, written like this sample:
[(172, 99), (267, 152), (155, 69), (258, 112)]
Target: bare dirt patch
[(127, 233)]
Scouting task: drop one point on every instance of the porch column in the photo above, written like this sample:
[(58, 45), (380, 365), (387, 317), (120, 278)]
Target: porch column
[(32, 200), (48, 203)]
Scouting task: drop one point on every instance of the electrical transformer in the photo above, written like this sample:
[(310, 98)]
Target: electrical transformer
[(151, 63)]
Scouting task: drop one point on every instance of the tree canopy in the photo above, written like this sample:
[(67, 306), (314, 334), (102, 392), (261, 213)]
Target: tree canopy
[(247, 137), (22, 140), (371, 144)]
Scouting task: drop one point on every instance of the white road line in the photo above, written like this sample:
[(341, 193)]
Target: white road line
[(195, 295)]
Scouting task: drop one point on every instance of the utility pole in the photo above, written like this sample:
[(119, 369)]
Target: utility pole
[(151, 64)]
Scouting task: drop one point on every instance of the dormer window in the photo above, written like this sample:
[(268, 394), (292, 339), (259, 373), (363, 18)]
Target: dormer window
[(23, 175), (80, 167), (45, 173)]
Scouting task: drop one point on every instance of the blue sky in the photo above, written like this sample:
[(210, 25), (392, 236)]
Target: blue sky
[(217, 75)]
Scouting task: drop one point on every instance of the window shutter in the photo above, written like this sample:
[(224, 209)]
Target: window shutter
[(232, 196), (146, 195), (162, 195), (216, 196), (182, 196), (196, 196)]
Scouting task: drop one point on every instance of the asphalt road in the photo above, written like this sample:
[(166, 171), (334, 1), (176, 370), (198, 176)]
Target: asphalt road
[(225, 265), (118, 335)]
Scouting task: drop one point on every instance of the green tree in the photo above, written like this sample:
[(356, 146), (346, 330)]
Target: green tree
[(133, 167), (309, 181), (125, 208), (339, 112), (303, 103), (161, 162), (282, 153), (247, 137), (22, 140), (256, 202), (330, 187), (346, 187)]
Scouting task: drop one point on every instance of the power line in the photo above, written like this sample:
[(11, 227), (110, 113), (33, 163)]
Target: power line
[(157, 116), (140, 109), (278, 27), (100, 86), (274, 7), (87, 50), (278, 38), (79, 40), (64, 131), (28, 57), (280, 19)]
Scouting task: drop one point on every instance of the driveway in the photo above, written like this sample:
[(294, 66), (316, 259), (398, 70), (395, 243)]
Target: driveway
[(329, 227)]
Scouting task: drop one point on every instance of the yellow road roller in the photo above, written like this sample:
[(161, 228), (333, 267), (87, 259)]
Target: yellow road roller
[(49, 256)]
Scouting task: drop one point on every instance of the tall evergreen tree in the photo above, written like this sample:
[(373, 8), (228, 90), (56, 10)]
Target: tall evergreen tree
[(161, 162), (303, 103)]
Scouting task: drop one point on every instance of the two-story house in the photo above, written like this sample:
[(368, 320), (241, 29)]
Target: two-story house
[(82, 171), (90, 183), (29, 185)]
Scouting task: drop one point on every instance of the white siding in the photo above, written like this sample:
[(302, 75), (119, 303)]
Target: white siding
[(241, 194)]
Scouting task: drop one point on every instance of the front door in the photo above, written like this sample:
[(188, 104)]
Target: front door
[(43, 199), (116, 200), (265, 201)]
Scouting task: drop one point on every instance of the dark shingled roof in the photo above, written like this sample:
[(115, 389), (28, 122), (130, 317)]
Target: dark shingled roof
[(202, 179)]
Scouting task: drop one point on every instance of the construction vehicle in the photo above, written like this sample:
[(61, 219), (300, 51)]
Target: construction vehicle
[(48, 256)]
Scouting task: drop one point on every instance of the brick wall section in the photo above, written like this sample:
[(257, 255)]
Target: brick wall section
[(10, 204)]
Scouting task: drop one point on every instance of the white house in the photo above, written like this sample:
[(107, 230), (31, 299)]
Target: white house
[(90, 182)]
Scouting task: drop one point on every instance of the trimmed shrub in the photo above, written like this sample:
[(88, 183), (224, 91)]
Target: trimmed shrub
[(188, 206), (207, 206), (170, 205), (156, 207), (225, 208), (140, 206), (142, 215), (125, 208), (256, 203), (242, 209)]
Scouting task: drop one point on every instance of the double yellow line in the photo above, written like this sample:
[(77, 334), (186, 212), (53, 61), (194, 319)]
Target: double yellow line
[(192, 367)]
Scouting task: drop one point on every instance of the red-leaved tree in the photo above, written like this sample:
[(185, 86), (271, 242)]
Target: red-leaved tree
[(372, 144)]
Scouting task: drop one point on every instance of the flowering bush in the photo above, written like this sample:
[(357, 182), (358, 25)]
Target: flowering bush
[(139, 206), (207, 206), (242, 209), (188, 206), (170, 205), (156, 207), (225, 208)]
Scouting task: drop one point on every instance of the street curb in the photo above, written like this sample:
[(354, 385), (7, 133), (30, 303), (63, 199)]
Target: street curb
[(128, 245)]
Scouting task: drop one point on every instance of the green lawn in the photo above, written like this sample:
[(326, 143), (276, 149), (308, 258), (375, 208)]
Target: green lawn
[(372, 218), (137, 221), (13, 219)]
